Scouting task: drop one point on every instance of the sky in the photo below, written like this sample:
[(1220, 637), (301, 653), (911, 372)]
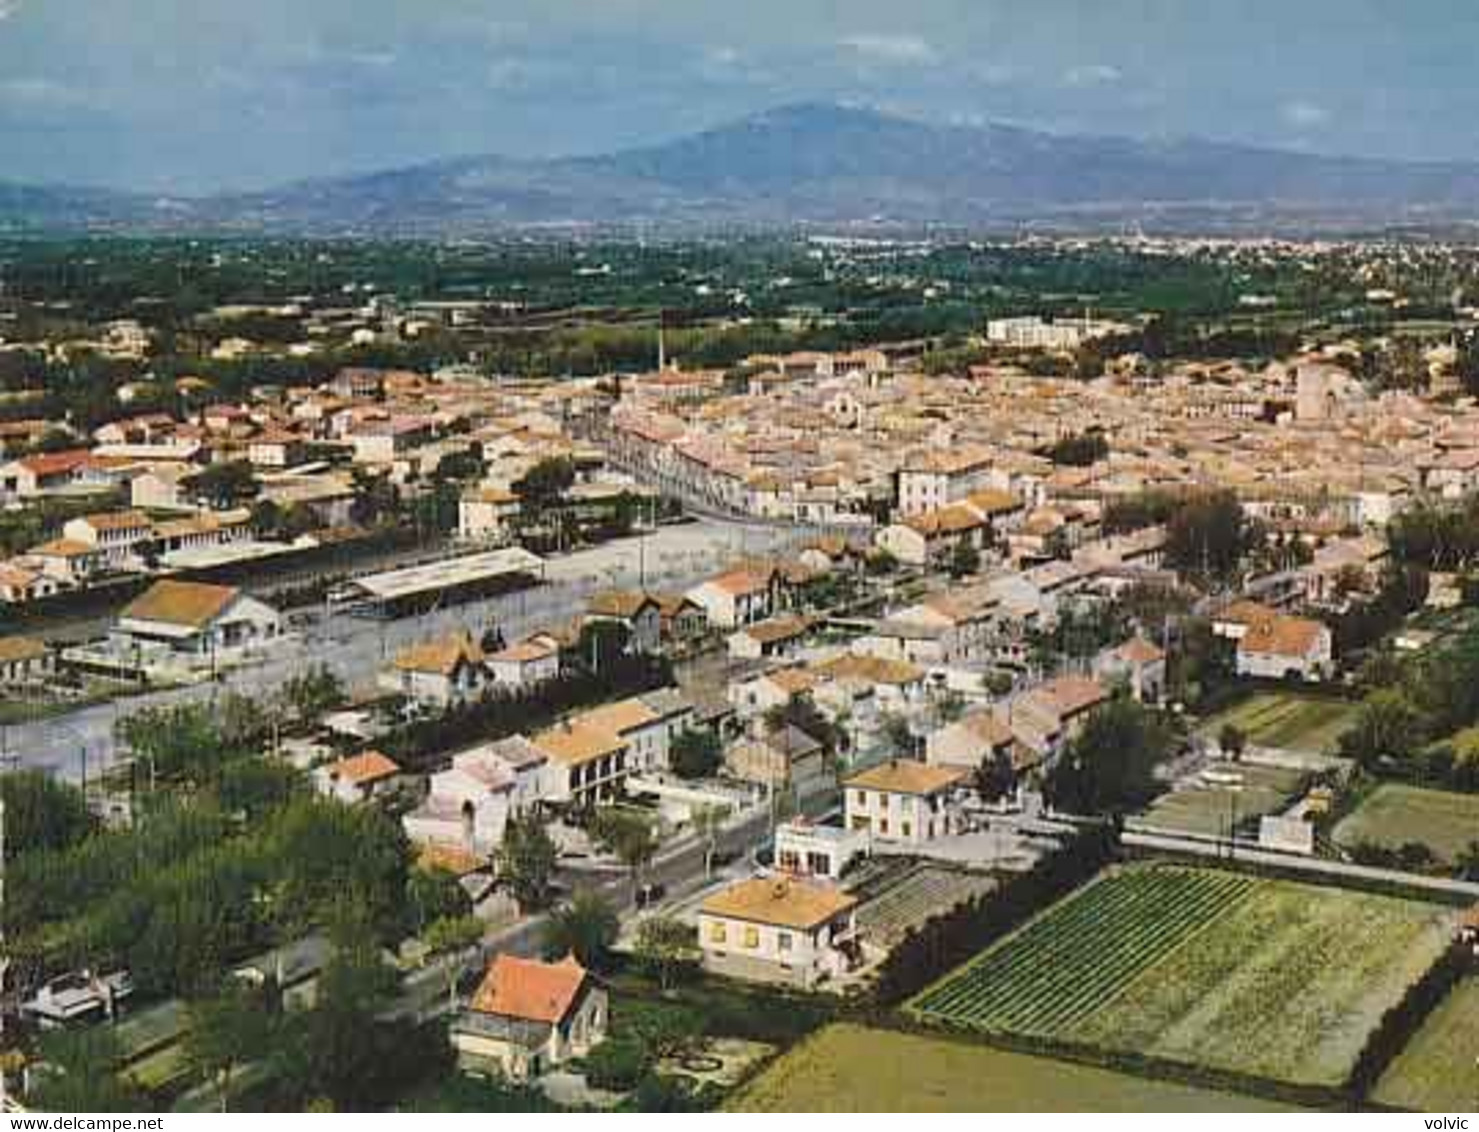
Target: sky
[(190, 96)]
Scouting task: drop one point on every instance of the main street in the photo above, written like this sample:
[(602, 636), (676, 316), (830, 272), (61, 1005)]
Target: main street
[(81, 743)]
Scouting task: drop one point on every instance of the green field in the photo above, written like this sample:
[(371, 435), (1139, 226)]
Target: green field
[(1394, 814), (1288, 720), (1438, 1071), (847, 1068), (1208, 809), (1266, 977)]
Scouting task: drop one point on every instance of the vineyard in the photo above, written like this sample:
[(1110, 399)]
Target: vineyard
[(1070, 962), (1268, 977)]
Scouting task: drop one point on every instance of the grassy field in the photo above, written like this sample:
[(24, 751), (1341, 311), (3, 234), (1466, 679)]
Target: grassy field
[(1395, 813), (1439, 1069), (1267, 977), (1207, 808), (847, 1068), (1284, 719)]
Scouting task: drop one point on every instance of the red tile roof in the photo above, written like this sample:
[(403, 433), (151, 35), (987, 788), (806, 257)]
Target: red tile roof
[(530, 990)]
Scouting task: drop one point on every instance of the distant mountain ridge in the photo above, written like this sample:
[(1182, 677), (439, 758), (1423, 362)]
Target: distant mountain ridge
[(819, 164)]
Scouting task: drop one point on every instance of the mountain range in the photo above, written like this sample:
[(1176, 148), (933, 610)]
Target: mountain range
[(815, 164)]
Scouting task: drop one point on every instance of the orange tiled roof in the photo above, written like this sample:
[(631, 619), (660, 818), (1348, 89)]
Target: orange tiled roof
[(529, 990)]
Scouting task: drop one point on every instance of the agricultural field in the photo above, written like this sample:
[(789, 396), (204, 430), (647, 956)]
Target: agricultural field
[(909, 899), (1438, 1071), (847, 1068), (1207, 807), (1270, 978), (1394, 814), (1286, 720)]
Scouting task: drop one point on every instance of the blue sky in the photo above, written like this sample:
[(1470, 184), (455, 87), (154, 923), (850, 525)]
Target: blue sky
[(191, 95)]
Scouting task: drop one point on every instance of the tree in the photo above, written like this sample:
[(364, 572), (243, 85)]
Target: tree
[(526, 859), (1208, 535), (665, 948), (585, 928), (226, 485), (80, 1073), (309, 695), (996, 777), (434, 894), (965, 559), (449, 937), (708, 821), (696, 753), (41, 813), (545, 484), (336, 1048), (225, 1032), (1110, 767), (900, 735), (1080, 450), (1232, 740), (628, 835), (602, 644)]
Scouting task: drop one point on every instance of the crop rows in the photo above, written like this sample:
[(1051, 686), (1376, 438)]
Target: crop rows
[(1071, 961)]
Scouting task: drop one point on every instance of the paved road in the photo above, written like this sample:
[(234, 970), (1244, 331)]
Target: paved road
[(679, 867), (81, 742), (1170, 843)]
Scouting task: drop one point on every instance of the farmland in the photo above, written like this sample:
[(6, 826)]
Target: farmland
[(1395, 814), (847, 1068), (1265, 977), (1286, 720), (1207, 807), (1439, 1069)]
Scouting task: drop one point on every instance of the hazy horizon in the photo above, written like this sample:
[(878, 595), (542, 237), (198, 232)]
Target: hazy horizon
[(193, 96)]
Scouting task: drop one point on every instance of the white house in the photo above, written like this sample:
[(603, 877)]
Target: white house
[(469, 804), (193, 625), (778, 930), (358, 778), (739, 597), (525, 664), (805, 848), (1286, 646), (904, 801), (439, 672)]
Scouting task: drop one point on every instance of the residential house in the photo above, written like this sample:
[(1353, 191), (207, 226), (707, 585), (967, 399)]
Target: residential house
[(121, 536), (25, 661), (1284, 647), (783, 761), (441, 672), (779, 930), (528, 1017), (770, 639), (525, 664), (808, 849), (1140, 664), (192, 624), (469, 803), (487, 514), (637, 612), (738, 597), (904, 801), (588, 765), (357, 778)]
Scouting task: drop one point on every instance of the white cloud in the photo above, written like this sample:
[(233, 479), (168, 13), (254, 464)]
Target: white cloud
[(1092, 74), (894, 49), (994, 74), (1304, 114), (9, 8)]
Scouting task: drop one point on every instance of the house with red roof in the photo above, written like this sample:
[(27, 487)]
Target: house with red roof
[(528, 1017)]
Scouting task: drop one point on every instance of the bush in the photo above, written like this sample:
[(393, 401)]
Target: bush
[(618, 1064)]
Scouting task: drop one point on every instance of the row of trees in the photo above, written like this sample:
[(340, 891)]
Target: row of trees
[(1414, 717)]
